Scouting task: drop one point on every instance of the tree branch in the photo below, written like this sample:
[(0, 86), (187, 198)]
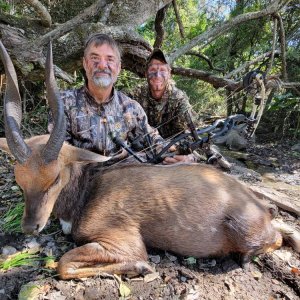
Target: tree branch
[(87, 14), (291, 85), (41, 11), (204, 57), (270, 64), (247, 64), (179, 22), (215, 81), (282, 46), (105, 14), (159, 28), (132, 13), (215, 32)]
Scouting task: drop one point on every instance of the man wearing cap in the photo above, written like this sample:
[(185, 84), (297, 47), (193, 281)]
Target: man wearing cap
[(98, 116), (164, 104), (167, 107)]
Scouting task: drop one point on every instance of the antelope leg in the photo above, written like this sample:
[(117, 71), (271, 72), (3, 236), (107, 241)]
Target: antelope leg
[(93, 259)]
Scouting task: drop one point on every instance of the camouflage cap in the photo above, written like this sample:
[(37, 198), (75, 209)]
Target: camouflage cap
[(157, 54)]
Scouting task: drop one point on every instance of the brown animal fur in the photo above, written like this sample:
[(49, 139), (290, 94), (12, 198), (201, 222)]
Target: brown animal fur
[(116, 212)]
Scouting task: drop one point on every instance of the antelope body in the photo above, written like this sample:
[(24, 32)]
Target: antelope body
[(114, 213)]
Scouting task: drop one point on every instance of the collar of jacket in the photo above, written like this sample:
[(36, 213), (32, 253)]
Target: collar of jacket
[(91, 100)]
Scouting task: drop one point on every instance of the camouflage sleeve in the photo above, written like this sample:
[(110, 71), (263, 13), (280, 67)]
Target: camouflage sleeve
[(144, 129), (184, 108), (135, 93)]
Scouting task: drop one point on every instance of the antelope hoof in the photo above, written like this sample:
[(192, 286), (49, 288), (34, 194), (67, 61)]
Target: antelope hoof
[(143, 268)]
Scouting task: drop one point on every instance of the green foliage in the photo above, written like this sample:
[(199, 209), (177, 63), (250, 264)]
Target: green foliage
[(288, 107), (286, 101), (293, 62), (23, 258), (147, 31), (19, 259), (203, 97), (127, 81), (11, 220), (5, 6)]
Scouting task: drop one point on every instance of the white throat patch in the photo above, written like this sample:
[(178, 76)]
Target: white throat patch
[(65, 226)]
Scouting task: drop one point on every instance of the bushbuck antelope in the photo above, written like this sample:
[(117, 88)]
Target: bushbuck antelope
[(115, 213)]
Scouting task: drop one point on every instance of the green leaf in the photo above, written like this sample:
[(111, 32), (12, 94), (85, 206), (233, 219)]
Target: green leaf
[(191, 260)]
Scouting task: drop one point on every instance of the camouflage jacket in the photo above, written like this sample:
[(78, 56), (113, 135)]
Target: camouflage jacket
[(169, 114), (93, 126)]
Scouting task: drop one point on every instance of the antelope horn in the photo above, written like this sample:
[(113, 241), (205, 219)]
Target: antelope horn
[(57, 137), (13, 111)]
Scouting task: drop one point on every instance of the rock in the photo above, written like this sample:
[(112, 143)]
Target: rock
[(193, 293), (187, 274), (171, 257), (32, 245), (155, 259), (8, 250), (206, 263), (30, 291), (283, 255)]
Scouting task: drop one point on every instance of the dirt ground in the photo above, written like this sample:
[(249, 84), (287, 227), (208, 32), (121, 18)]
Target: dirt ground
[(271, 276)]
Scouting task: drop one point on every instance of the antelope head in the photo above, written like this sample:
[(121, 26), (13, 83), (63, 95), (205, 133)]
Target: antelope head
[(41, 168)]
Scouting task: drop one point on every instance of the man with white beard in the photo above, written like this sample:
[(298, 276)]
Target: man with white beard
[(98, 115)]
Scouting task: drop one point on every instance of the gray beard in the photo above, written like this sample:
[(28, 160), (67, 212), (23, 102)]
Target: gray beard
[(102, 82)]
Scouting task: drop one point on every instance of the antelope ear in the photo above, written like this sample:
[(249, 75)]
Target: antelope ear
[(4, 146), (73, 154)]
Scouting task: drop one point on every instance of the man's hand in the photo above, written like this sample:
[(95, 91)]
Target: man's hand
[(160, 147), (190, 158)]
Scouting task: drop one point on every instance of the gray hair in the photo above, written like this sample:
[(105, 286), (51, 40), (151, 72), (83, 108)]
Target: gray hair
[(99, 39)]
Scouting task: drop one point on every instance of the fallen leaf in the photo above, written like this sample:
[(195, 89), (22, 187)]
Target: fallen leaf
[(295, 271), (150, 277), (51, 264), (124, 290), (256, 274)]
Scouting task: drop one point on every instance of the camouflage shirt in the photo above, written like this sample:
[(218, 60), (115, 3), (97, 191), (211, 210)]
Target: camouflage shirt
[(168, 115), (93, 126)]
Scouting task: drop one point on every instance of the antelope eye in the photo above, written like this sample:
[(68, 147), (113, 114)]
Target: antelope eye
[(57, 179)]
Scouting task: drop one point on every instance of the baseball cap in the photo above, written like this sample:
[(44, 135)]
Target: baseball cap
[(157, 54)]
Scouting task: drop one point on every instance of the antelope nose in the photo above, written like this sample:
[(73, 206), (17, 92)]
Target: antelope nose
[(32, 229)]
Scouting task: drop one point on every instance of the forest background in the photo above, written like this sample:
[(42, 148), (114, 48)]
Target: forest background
[(211, 45)]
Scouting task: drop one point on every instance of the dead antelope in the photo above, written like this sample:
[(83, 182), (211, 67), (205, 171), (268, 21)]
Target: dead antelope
[(115, 213)]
